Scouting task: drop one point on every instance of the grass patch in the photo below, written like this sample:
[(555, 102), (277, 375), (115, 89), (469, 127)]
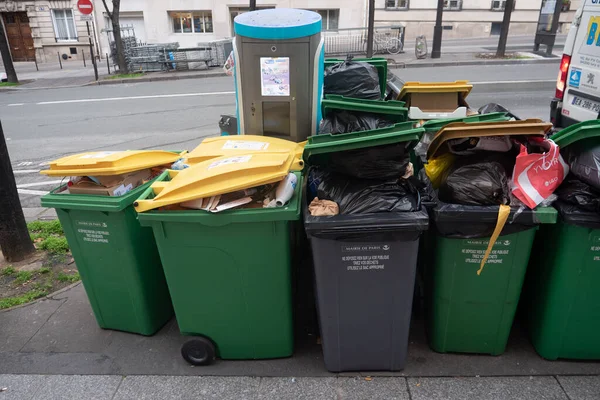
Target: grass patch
[(71, 278), (45, 228), (125, 76), (22, 277), (54, 245), (42, 286), (8, 271), (44, 270), (22, 299), (49, 236), (4, 84)]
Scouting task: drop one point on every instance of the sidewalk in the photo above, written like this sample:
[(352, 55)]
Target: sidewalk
[(112, 387), (50, 343), (74, 74)]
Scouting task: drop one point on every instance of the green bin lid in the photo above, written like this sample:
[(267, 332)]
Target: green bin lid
[(328, 143), (575, 133), (393, 110), (378, 62), (435, 125)]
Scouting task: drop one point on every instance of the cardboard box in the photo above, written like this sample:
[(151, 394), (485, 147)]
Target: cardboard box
[(436, 100), (115, 185)]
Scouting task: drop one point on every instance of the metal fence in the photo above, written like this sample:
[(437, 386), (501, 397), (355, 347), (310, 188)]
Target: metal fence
[(218, 51), (389, 39), (155, 57)]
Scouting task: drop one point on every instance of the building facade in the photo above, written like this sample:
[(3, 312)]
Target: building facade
[(190, 22), (44, 30), (468, 18)]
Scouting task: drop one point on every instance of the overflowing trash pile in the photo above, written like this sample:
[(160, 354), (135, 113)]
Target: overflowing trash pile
[(398, 183), (218, 175), (110, 173)]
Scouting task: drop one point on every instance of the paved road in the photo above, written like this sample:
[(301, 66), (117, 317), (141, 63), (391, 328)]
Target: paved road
[(43, 125)]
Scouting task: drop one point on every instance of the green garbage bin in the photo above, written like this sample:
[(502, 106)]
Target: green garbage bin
[(466, 312), (378, 62), (229, 273), (117, 259), (561, 297)]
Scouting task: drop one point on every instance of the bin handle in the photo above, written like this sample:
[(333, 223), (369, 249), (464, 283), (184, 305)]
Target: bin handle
[(503, 214)]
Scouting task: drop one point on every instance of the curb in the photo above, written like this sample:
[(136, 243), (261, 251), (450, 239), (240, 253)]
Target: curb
[(48, 297), (209, 74), (46, 87)]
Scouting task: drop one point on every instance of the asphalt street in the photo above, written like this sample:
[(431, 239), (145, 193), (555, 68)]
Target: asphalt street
[(42, 125)]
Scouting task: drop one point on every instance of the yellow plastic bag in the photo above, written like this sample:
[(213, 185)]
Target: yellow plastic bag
[(436, 167), (503, 214)]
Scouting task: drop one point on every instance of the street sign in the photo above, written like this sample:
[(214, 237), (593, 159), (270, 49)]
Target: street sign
[(87, 17), (85, 7)]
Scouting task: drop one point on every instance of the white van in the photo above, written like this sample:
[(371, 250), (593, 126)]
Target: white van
[(577, 96)]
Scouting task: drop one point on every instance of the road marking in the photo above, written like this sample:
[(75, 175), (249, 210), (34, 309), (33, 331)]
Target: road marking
[(158, 96), (34, 192), (26, 171), (26, 185), (24, 164), (16, 104)]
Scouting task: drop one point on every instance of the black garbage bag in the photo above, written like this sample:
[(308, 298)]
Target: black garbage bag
[(584, 162), (575, 215), (352, 79), (580, 194), (478, 183), (427, 193), (345, 122), (367, 196), (493, 108), (379, 162), (466, 222)]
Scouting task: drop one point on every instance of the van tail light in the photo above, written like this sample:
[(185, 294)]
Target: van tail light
[(561, 82)]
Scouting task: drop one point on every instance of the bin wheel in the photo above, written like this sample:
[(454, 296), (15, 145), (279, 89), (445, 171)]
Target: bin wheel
[(199, 351)]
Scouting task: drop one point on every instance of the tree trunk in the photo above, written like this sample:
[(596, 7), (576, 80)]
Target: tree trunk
[(119, 43), (9, 68), (15, 241), (508, 8)]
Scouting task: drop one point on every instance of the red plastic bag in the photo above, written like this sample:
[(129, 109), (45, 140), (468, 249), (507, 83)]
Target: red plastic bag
[(536, 176)]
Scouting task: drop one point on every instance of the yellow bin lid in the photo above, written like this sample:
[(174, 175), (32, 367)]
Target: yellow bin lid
[(458, 130), (103, 163), (244, 144), (462, 87), (218, 176)]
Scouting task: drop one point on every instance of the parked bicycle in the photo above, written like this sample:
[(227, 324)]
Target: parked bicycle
[(384, 44)]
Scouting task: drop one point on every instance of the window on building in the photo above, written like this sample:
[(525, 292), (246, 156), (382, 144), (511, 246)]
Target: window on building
[(396, 4), (452, 5), (330, 19), (498, 5), (64, 25), (192, 22)]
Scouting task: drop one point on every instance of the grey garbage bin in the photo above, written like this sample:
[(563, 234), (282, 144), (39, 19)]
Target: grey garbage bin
[(364, 269)]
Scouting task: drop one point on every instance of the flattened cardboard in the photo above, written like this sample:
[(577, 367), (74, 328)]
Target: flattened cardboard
[(124, 184)]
